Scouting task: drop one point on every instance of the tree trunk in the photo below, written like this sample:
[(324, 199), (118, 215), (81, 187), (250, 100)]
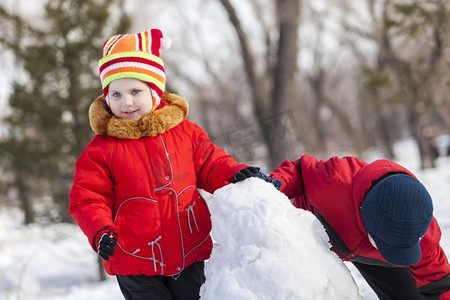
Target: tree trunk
[(273, 127), (24, 198), (382, 126), (316, 81), (426, 154), (281, 146), (256, 88)]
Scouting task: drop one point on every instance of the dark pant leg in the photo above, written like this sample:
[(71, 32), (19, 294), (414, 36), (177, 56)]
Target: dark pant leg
[(187, 285), (143, 287), (390, 283)]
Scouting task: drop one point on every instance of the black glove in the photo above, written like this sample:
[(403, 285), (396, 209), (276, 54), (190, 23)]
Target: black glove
[(245, 173), (276, 183), (106, 246)]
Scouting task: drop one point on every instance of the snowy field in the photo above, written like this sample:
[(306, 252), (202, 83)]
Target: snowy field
[(55, 261)]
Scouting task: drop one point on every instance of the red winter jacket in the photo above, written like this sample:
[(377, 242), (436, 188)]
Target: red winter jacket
[(139, 180), (334, 191)]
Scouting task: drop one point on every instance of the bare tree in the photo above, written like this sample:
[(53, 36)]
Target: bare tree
[(426, 24), (270, 101), (376, 83), (403, 76), (322, 80)]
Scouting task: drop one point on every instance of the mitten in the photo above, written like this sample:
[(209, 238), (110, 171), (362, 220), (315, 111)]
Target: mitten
[(106, 246), (276, 183), (245, 173)]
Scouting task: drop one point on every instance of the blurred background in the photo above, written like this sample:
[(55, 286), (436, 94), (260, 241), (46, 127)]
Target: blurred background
[(267, 79)]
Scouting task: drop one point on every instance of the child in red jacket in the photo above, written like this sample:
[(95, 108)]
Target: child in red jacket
[(134, 193), (379, 217)]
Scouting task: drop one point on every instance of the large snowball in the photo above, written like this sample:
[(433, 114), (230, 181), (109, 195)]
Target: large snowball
[(267, 249)]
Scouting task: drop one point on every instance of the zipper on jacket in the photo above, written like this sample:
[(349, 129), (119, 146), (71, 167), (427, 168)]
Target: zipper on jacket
[(168, 162)]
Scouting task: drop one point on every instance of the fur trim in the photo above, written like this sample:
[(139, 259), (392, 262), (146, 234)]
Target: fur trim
[(104, 123)]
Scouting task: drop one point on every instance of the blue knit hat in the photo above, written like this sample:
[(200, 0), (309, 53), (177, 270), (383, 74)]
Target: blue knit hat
[(397, 212)]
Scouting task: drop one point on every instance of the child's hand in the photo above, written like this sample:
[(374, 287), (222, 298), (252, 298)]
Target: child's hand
[(254, 172), (106, 246), (276, 183), (245, 173)]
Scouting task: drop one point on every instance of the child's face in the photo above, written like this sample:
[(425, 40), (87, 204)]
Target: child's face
[(129, 98)]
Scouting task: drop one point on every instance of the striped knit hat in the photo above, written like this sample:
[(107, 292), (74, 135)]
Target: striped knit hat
[(135, 56)]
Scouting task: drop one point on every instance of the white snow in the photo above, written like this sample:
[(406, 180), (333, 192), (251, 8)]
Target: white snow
[(265, 249), (268, 249)]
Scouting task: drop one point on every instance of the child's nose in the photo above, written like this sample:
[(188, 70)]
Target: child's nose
[(128, 100)]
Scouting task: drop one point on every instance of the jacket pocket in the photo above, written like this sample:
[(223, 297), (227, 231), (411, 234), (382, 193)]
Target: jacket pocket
[(139, 229), (195, 221)]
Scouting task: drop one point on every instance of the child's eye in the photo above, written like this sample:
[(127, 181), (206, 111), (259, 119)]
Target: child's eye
[(116, 95), (135, 92)]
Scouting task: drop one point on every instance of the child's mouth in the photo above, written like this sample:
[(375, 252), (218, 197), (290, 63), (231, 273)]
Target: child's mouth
[(130, 112)]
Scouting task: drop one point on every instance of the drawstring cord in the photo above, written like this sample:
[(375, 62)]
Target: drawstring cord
[(190, 211), (152, 244)]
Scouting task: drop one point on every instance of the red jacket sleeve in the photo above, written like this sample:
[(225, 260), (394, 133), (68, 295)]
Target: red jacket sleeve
[(293, 184), (213, 166), (432, 273), (91, 196), (445, 295), (290, 177)]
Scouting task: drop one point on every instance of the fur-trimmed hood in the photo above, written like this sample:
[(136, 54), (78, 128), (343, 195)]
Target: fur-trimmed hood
[(104, 123)]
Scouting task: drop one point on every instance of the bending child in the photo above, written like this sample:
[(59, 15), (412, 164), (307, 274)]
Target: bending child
[(379, 217)]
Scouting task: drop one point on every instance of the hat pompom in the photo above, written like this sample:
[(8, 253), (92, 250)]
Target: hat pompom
[(166, 42)]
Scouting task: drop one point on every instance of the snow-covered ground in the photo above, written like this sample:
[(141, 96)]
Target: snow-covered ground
[(56, 262)]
